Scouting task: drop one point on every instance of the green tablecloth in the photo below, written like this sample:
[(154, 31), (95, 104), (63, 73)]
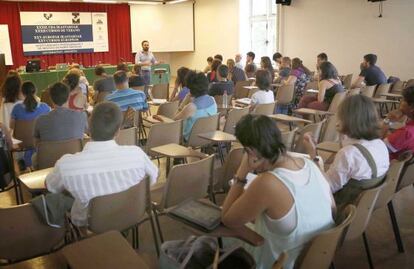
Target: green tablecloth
[(42, 80)]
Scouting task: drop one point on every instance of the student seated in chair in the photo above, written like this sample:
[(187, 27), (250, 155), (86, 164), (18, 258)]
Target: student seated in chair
[(126, 97), (264, 95), (371, 74), (363, 161), (61, 123), (222, 85), (201, 105), (402, 139), (289, 200), (103, 167)]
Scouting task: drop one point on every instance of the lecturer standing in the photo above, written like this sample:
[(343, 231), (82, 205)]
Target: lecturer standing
[(145, 59)]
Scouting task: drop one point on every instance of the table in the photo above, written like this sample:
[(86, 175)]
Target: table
[(176, 151), (289, 119), (221, 138), (332, 147), (35, 181), (244, 101), (43, 80), (151, 119), (104, 251), (54, 260)]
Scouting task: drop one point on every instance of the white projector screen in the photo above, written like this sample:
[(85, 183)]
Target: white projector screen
[(168, 27)]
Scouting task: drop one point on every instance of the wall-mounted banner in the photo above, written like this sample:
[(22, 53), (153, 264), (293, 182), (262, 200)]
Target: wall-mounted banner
[(63, 32)]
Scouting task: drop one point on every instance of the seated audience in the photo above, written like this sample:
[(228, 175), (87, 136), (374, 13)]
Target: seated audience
[(235, 73), (299, 76), (136, 82), (277, 57), (136, 70), (202, 105), (264, 95), (126, 97), (103, 167), (370, 73), (209, 63), (266, 64), (218, 57), (321, 58), (250, 59), (30, 109), (61, 123), (402, 139), (103, 82), (77, 100), (180, 83), (284, 70), (12, 95), (289, 200), (329, 85), (83, 81), (124, 67), (238, 59), (250, 71), (363, 160), (212, 75), (222, 85)]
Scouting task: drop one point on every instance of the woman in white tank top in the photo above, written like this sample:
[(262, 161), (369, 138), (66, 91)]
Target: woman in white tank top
[(289, 201)]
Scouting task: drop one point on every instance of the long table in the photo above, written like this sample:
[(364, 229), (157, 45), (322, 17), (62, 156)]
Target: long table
[(43, 80)]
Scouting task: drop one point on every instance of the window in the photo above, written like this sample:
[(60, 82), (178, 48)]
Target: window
[(258, 27)]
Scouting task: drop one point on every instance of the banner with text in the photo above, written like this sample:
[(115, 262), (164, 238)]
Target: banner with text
[(63, 32)]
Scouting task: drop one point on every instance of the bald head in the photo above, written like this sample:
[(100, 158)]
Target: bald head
[(238, 57)]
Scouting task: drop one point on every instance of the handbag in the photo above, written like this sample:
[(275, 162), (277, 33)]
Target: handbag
[(203, 252)]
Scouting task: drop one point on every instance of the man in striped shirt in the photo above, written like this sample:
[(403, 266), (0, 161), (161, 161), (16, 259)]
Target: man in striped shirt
[(103, 167), (126, 97)]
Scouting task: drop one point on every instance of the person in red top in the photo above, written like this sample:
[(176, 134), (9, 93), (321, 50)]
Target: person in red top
[(403, 138)]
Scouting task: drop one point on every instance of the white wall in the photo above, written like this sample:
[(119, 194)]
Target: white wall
[(348, 29), (216, 31)]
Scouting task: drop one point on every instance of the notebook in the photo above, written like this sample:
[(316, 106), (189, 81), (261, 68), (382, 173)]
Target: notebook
[(199, 214)]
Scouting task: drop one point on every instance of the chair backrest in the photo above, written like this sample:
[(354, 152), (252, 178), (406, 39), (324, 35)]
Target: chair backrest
[(320, 251), (251, 92), (240, 91), (329, 132), (407, 175), (129, 118), (288, 138), (393, 175), (364, 206), (219, 99), (312, 85), (45, 97), (162, 134), (355, 91), (336, 101), (382, 89), (233, 118), (229, 168), (168, 109), (397, 86), (100, 97), (264, 109), (188, 181), (347, 81), (409, 83), (314, 128), (48, 152), (160, 91), (127, 137), (285, 94), (23, 131), (119, 211), (24, 235), (368, 91), (202, 125)]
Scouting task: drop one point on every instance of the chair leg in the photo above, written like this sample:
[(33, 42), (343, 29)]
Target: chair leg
[(137, 236), (332, 266), (133, 237), (157, 248), (157, 222), (371, 265), (395, 228)]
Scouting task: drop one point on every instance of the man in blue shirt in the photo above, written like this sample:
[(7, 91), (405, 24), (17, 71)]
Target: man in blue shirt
[(126, 97), (370, 73)]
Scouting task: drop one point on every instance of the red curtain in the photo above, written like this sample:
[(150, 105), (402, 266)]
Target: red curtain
[(119, 32)]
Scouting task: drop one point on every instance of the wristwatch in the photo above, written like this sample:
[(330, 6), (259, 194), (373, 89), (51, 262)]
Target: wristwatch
[(237, 180)]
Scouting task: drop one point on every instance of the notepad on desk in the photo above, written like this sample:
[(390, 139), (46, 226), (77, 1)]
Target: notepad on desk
[(159, 101), (244, 101)]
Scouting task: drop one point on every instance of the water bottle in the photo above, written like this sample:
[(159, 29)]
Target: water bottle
[(225, 99)]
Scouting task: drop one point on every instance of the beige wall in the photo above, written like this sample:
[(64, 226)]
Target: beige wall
[(348, 29), (216, 31)]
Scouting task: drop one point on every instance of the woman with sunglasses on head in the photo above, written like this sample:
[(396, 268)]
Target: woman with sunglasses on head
[(289, 200)]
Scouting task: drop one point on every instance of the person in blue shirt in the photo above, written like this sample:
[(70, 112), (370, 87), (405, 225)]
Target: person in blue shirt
[(30, 109), (126, 97), (202, 105)]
